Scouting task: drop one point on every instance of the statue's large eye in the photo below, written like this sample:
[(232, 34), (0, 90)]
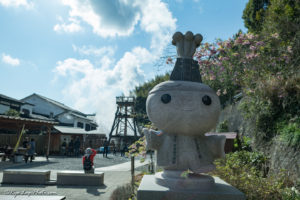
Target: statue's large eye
[(165, 98), (206, 100)]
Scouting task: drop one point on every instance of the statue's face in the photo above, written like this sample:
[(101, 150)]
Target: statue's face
[(183, 107)]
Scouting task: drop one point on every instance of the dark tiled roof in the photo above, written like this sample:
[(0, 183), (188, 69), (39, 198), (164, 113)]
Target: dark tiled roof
[(10, 99), (27, 119), (36, 116)]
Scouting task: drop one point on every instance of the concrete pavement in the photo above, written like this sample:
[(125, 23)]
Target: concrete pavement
[(114, 176)]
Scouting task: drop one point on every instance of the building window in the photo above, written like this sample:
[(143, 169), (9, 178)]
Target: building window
[(51, 115), (26, 112), (79, 124), (87, 127)]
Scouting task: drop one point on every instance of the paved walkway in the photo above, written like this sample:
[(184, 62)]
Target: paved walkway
[(114, 176)]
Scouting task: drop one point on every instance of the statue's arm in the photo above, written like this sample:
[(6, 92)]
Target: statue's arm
[(153, 139), (217, 143)]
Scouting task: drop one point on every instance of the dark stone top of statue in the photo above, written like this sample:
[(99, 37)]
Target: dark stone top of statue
[(186, 69)]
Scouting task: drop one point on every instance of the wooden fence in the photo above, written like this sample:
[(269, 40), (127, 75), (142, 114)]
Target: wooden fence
[(11, 140)]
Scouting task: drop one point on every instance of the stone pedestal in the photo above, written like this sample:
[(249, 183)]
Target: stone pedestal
[(26, 176), (149, 190), (80, 178), (175, 181)]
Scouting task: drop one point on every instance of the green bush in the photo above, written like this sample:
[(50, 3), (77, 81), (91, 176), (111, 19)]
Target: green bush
[(242, 144), (290, 194), (127, 191), (122, 193), (290, 132), (246, 171), (12, 112), (223, 126)]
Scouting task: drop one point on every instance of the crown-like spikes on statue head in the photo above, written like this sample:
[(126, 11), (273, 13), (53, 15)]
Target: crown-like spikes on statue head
[(186, 44), (186, 69)]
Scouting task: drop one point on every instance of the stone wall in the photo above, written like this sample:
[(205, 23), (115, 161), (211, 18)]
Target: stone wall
[(281, 155)]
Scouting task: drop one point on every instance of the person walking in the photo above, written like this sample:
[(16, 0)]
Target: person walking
[(25, 145), (88, 161), (30, 150), (105, 150), (122, 149), (77, 146), (125, 149), (64, 147), (71, 148), (114, 150)]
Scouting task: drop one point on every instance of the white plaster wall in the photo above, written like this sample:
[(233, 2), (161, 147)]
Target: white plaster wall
[(82, 121), (70, 119), (3, 108), (66, 118), (42, 106)]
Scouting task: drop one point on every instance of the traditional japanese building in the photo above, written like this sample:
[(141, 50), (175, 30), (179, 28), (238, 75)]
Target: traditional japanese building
[(61, 113), (48, 121)]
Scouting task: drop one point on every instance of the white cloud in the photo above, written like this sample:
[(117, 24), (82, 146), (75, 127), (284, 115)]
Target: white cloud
[(96, 87), (119, 17), (73, 26), (158, 21), (16, 3), (10, 60), (94, 51), (107, 18)]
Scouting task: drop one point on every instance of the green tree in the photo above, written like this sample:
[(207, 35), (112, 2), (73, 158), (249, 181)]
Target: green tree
[(283, 17), (283, 20), (12, 112), (141, 93), (254, 14)]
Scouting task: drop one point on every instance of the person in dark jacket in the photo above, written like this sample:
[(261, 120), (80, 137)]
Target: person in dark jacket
[(64, 147), (106, 144), (25, 145), (71, 148), (77, 146), (31, 149)]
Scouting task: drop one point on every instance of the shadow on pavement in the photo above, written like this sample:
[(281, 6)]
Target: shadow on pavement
[(22, 185), (31, 165), (82, 186), (94, 191)]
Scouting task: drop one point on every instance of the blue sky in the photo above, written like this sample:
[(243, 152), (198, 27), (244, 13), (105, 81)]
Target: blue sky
[(83, 53)]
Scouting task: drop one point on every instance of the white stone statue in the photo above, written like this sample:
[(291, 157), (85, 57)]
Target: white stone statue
[(186, 44), (184, 111)]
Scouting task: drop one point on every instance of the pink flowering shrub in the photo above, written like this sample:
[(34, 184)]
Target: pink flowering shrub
[(263, 68), (242, 62)]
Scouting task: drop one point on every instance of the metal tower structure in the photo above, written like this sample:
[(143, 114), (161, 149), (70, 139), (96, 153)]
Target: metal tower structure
[(125, 120)]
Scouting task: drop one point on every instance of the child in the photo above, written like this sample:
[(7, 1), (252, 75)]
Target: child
[(88, 160)]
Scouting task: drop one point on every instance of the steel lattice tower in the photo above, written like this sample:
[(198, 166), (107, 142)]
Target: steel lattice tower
[(125, 120)]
